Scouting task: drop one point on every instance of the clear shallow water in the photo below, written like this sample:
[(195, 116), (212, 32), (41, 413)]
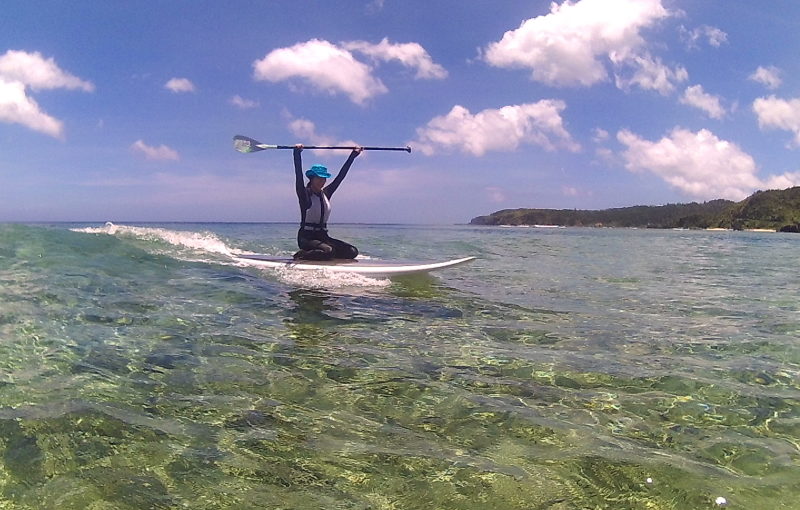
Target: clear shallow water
[(142, 367)]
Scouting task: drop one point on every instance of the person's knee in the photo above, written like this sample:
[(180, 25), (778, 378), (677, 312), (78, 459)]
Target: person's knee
[(349, 252)]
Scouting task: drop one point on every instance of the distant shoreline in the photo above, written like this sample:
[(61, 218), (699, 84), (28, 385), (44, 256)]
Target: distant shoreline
[(764, 211), (551, 227)]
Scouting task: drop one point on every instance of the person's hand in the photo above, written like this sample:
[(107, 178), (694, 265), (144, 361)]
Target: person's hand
[(358, 150), (298, 147)]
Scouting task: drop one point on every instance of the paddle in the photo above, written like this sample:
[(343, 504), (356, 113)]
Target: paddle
[(246, 145)]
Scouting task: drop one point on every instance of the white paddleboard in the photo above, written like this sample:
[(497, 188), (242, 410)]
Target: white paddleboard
[(368, 267)]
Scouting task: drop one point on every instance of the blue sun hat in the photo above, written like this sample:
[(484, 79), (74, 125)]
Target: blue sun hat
[(318, 171)]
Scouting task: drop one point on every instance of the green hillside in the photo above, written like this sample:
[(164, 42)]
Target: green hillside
[(777, 209)]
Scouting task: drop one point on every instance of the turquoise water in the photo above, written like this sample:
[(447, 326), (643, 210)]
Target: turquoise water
[(143, 367)]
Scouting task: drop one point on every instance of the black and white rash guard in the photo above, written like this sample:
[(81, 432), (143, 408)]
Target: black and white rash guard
[(315, 208)]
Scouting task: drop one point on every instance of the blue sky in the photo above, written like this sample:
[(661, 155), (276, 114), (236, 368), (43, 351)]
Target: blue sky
[(120, 112)]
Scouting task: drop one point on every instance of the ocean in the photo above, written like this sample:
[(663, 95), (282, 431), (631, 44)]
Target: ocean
[(144, 367)]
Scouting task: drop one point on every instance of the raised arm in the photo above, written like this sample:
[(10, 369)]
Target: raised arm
[(331, 188), (299, 185)]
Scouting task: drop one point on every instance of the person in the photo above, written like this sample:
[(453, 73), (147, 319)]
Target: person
[(314, 196)]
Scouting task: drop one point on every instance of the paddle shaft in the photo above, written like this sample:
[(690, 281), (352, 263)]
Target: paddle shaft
[(246, 145), (407, 149)]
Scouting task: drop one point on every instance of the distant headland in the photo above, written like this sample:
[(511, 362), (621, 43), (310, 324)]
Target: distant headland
[(774, 210)]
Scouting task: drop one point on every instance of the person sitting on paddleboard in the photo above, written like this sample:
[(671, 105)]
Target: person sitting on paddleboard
[(315, 208)]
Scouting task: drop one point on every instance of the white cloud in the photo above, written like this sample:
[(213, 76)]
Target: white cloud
[(160, 153), (327, 67), (770, 77), (179, 85), (569, 46), (410, 55), (39, 73), (695, 96), (649, 73), (20, 71), (603, 154), (700, 165), (503, 129), (322, 65), (242, 103), (306, 131), (600, 135), (713, 35), (16, 107), (774, 113), (716, 37)]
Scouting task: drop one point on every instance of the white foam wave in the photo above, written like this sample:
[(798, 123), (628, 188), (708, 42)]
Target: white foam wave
[(207, 247), (324, 279), (198, 241)]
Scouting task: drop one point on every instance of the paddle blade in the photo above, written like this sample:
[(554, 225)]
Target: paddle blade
[(246, 145)]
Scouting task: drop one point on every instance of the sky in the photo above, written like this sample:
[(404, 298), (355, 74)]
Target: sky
[(125, 111)]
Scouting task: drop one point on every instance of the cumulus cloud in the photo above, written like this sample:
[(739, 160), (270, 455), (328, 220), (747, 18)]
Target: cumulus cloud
[(713, 35), (603, 154), (323, 66), (600, 135), (502, 129), (179, 85), (695, 96), (160, 153), (770, 77), (39, 73), (699, 164), (334, 69), (648, 73), (306, 131), (16, 107), (410, 55), (22, 72), (242, 103), (775, 113), (571, 44)]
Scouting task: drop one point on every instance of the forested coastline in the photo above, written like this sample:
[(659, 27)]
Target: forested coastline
[(764, 210)]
